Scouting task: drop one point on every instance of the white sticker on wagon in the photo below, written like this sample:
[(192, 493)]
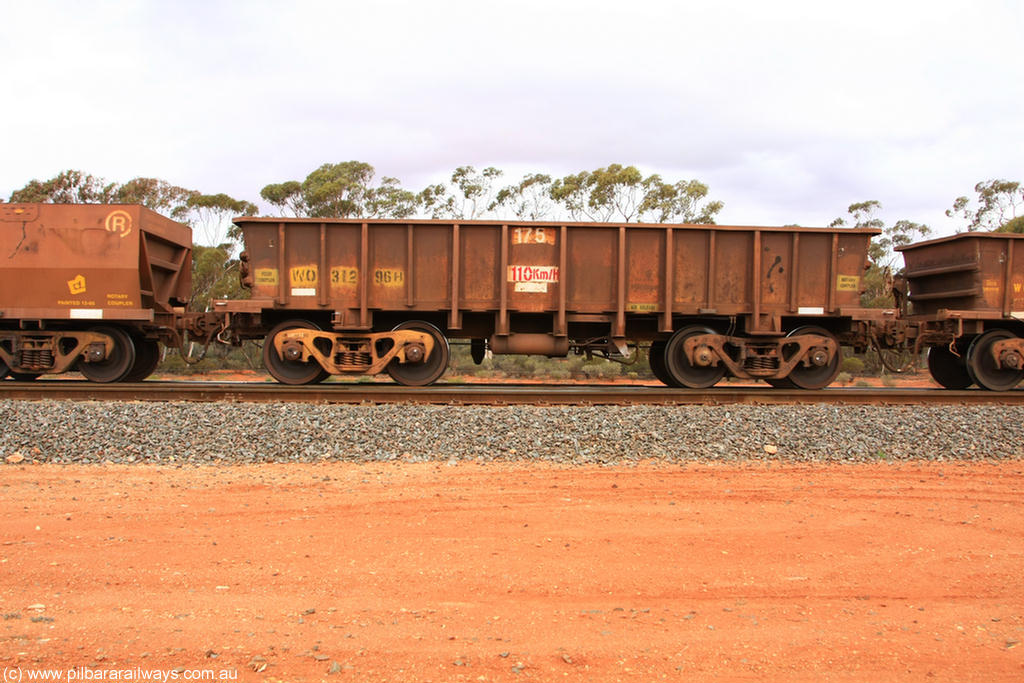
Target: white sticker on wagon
[(1019, 315), (533, 273), (810, 310), (303, 291), (86, 313), (538, 287)]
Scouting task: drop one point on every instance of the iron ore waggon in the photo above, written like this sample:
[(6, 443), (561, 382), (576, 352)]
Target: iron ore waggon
[(357, 296), (97, 288), (965, 304), (90, 287)]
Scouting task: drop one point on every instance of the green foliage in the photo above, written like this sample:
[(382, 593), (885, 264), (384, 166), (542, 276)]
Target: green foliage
[(863, 214), (898, 234), (614, 193), (67, 187), (156, 194), (285, 196), (621, 192), (541, 367), (342, 190), (76, 187), (218, 357), (208, 214), (469, 194), (389, 200), (601, 194), (678, 203), (876, 286), (877, 280), (214, 276), (337, 190), (998, 202), (1013, 225), (528, 200), (852, 365)]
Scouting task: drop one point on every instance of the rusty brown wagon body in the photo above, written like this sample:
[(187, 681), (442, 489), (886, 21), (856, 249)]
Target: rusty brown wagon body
[(89, 287), (360, 296), (966, 305)]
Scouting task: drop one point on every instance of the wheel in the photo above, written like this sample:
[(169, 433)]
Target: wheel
[(428, 372), (813, 376), (147, 357), (948, 369), (291, 371), (656, 358), (117, 364), (678, 367), (981, 366)]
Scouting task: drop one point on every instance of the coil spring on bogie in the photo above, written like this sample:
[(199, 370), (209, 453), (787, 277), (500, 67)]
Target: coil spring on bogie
[(36, 359), (761, 363), (353, 360)]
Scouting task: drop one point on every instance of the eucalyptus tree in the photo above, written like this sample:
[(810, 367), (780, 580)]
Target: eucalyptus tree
[(623, 193), (998, 202)]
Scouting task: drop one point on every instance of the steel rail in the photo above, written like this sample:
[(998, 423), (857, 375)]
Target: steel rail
[(489, 394)]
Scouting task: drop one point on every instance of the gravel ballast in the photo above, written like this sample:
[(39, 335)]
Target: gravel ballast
[(144, 432)]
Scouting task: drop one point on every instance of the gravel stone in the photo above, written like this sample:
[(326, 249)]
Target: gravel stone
[(178, 433)]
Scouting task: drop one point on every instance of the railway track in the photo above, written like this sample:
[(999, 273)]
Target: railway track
[(489, 394)]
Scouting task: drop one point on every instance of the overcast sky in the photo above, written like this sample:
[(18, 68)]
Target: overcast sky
[(790, 111)]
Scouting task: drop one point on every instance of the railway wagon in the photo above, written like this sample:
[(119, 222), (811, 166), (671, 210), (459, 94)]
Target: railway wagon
[(365, 296), (965, 301), (89, 287)]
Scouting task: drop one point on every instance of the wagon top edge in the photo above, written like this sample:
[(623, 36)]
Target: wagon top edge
[(962, 236), (551, 224), (17, 208), (125, 219)]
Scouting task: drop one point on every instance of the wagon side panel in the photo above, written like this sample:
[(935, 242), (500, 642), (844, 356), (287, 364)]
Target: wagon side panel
[(344, 266), (776, 265), (91, 262), (592, 265), (481, 282), (645, 270), (1015, 267), (431, 281), (733, 263), (693, 270)]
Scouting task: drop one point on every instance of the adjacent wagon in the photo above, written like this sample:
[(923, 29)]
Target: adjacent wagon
[(89, 287), (966, 304)]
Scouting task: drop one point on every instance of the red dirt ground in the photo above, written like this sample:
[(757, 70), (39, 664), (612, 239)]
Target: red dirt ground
[(496, 572)]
